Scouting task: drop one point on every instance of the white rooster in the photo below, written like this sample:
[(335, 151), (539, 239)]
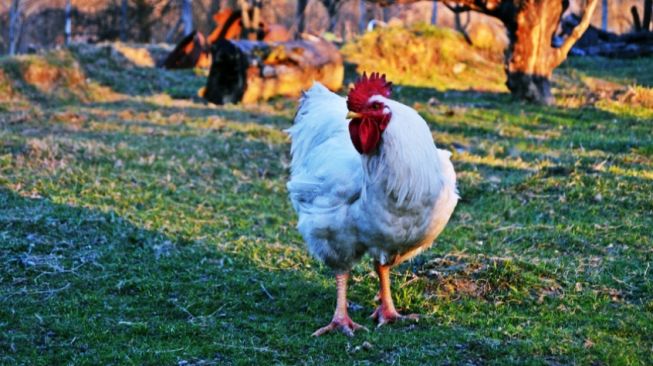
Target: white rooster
[(375, 184)]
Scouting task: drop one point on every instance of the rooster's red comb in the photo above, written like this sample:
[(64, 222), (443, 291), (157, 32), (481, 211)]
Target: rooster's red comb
[(366, 87)]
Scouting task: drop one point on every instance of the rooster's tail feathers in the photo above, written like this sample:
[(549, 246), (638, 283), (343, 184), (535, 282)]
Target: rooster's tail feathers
[(321, 115)]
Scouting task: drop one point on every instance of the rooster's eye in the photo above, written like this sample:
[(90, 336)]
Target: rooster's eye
[(376, 106)]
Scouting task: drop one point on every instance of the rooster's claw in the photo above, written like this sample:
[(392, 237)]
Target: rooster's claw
[(383, 316), (346, 325)]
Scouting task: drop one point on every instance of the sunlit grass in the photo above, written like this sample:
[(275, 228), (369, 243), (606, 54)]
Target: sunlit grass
[(427, 56), (154, 230)]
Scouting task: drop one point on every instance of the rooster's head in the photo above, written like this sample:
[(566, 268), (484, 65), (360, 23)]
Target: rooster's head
[(369, 115)]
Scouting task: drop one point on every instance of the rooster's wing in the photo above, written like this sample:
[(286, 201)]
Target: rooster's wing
[(326, 170)]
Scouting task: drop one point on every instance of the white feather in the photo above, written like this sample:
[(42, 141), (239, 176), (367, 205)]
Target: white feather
[(325, 166), (388, 204)]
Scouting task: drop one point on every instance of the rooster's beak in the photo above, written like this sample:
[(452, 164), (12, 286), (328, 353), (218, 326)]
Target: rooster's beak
[(352, 115)]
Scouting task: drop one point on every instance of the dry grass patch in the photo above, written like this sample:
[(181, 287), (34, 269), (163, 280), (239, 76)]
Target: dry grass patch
[(427, 56), (638, 95), (52, 77), (490, 278)]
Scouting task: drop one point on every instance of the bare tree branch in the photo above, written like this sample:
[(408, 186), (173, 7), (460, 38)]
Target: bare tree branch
[(457, 8), (561, 53), (482, 6)]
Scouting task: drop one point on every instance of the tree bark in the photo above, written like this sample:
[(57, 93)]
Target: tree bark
[(460, 27), (14, 26), (637, 24), (214, 8), (251, 19), (173, 31), (123, 20), (648, 8), (604, 15), (434, 13), (68, 22), (530, 58), (301, 17), (362, 13), (332, 11), (187, 16)]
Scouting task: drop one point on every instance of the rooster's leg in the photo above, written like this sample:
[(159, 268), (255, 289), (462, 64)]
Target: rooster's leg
[(386, 312), (341, 319)]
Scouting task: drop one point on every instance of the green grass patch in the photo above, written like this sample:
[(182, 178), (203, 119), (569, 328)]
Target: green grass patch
[(145, 229)]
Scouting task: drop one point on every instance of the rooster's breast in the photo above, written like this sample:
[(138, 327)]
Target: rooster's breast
[(395, 233)]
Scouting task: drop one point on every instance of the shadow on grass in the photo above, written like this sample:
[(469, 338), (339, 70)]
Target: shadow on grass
[(92, 280), (625, 71), (194, 259), (233, 113), (95, 280), (484, 115), (124, 76)]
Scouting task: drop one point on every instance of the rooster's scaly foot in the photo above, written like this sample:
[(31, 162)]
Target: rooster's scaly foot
[(384, 316), (345, 324)]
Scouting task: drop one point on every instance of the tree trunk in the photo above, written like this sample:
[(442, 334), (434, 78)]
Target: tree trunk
[(462, 28), (301, 17), (256, 22), (530, 58), (362, 13), (332, 11), (434, 13), (214, 8), (187, 16), (604, 15), (377, 13), (173, 31), (14, 26), (123, 20), (648, 8), (68, 22), (637, 24)]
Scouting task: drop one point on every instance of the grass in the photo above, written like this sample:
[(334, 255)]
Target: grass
[(144, 229), (428, 56)]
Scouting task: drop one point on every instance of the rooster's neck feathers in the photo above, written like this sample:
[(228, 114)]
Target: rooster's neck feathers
[(406, 164)]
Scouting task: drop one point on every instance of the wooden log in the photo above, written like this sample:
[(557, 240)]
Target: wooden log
[(229, 25), (250, 71), (192, 51)]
